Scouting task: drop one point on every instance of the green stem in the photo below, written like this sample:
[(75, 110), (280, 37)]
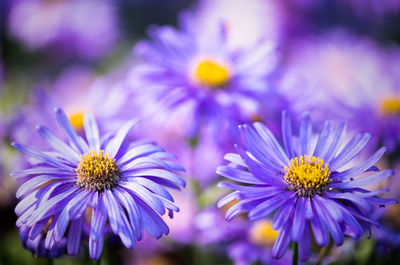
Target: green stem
[(323, 252), (50, 261), (295, 258), (95, 262)]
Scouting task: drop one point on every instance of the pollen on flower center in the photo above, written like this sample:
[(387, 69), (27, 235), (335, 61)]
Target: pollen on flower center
[(97, 171), (212, 74), (307, 176), (261, 233), (390, 106)]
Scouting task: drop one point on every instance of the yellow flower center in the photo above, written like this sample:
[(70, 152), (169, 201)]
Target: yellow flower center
[(307, 176), (96, 171), (76, 120), (261, 233), (391, 106), (212, 74)]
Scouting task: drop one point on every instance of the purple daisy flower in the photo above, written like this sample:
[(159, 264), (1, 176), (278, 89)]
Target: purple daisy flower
[(196, 78), (77, 91), (37, 245), (342, 75), (247, 22), (245, 243), (388, 234), (105, 185), (306, 186), (49, 25)]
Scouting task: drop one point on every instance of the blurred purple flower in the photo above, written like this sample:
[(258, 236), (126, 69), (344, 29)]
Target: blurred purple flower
[(199, 159), (37, 245), (212, 227), (311, 190), (182, 227), (387, 235), (244, 242), (182, 231), (77, 90), (192, 78), (246, 22), (340, 75), (87, 29)]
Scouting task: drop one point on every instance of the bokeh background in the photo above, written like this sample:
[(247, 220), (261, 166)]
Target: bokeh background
[(335, 58)]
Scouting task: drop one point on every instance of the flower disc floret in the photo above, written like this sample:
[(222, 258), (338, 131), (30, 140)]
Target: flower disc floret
[(97, 171), (307, 175)]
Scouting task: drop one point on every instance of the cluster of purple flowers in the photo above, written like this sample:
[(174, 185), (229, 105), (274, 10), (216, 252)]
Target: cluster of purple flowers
[(207, 90), (50, 25)]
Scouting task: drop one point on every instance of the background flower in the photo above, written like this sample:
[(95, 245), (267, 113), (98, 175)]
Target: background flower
[(245, 243), (77, 90), (344, 72), (201, 81), (63, 26)]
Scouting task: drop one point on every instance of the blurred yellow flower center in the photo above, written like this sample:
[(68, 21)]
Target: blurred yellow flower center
[(391, 106), (256, 117), (261, 233), (307, 176), (96, 171), (212, 74), (76, 120)]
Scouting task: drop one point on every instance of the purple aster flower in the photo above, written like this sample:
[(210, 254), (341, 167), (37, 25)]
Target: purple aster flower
[(388, 234), (182, 232), (247, 22), (104, 184), (37, 244), (341, 75), (42, 24), (244, 243), (200, 161), (77, 90), (182, 229), (307, 187), (256, 245), (197, 80), (379, 100)]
